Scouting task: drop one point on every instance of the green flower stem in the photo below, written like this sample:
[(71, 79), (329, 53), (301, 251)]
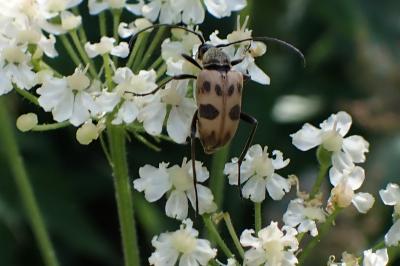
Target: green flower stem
[(232, 232), (161, 71), (154, 44), (322, 232), (53, 126), (116, 18), (10, 149), (27, 95), (217, 180), (123, 194), (257, 216), (70, 50), (107, 69), (105, 149), (212, 230), (156, 63), (138, 43), (83, 54), (324, 159), (139, 55), (318, 182), (102, 24)]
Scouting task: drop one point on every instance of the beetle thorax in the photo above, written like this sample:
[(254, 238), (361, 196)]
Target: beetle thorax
[(215, 57)]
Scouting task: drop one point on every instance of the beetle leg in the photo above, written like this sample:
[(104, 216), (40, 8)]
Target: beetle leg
[(191, 60), (177, 77), (237, 61), (193, 129), (251, 120)]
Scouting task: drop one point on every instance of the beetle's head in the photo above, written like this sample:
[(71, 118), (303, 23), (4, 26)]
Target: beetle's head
[(212, 56)]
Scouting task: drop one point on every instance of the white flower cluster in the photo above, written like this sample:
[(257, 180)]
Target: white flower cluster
[(177, 182), (258, 173), (391, 196), (345, 175), (370, 258)]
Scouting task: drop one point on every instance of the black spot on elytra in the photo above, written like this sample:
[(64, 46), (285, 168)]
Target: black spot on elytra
[(208, 111), (227, 138), (231, 89), (206, 86), (234, 113), (218, 90), (239, 87)]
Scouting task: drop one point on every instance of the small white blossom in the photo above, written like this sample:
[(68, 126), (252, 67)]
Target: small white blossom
[(377, 258), (182, 245), (106, 46), (345, 151), (97, 6), (304, 215), (15, 68), (243, 51), (67, 98), (178, 182), (345, 183), (391, 196), (87, 133), (125, 30), (271, 246), (128, 82), (258, 172), (70, 21), (224, 8)]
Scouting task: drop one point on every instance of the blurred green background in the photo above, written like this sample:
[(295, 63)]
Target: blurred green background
[(352, 52)]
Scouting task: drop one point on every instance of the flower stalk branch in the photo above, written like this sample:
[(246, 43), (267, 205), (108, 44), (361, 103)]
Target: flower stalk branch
[(322, 232), (212, 230), (324, 159), (123, 194), (232, 232), (257, 216), (10, 148)]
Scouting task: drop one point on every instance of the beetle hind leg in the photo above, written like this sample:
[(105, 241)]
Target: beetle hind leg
[(251, 120), (193, 129)]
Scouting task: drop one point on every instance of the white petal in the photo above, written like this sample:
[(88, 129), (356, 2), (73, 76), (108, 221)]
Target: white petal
[(257, 74), (91, 50), (377, 258), (153, 181), (342, 160), (193, 12), (95, 6), (127, 112), (307, 137), (203, 252), (308, 226), (248, 240), (356, 147), (80, 113), (178, 124), (254, 189), (217, 8), (390, 195), (153, 116), (392, 237), (342, 121), (356, 177), (151, 10), (335, 176), (277, 186), (363, 202), (122, 50), (206, 199), (48, 45), (177, 205), (278, 162), (5, 84)]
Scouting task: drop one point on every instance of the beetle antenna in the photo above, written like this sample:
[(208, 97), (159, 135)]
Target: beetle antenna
[(133, 38), (269, 39)]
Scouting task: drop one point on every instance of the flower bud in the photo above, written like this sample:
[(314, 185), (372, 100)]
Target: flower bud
[(342, 195), (27, 121), (87, 133)]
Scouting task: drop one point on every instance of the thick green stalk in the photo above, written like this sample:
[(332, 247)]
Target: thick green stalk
[(154, 44), (217, 177), (102, 24), (107, 69), (212, 230), (10, 149), (257, 216), (123, 194), (324, 229)]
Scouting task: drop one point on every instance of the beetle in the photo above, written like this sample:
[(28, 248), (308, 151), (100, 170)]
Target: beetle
[(218, 96)]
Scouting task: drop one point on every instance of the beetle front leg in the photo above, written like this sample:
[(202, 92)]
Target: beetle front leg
[(191, 60), (193, 130), (251, 120)]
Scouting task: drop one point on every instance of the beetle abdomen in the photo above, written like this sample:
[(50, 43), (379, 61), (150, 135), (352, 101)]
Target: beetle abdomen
[(218, 96)]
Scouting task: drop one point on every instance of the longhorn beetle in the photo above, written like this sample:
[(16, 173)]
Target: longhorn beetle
[(218, 96)]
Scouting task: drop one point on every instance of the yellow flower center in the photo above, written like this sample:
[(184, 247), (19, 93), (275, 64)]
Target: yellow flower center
[(183, 241), (332, 141), (13, 55), (180, 178), (78, 81)]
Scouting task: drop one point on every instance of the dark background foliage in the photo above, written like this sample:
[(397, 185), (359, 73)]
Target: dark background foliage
[(352, 64)]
